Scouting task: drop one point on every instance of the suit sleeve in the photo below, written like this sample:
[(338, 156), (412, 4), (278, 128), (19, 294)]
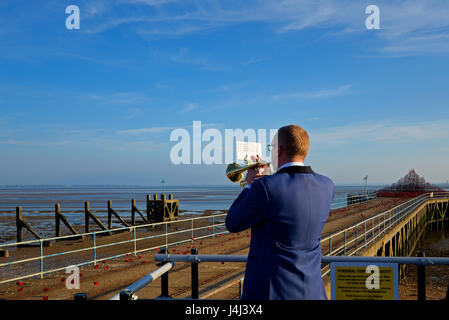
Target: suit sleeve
[(250, 208)]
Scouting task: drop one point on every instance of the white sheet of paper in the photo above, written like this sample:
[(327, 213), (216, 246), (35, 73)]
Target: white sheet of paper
[(248, 149)]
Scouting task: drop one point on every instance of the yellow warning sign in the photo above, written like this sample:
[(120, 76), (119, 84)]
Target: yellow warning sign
[(364, 282)]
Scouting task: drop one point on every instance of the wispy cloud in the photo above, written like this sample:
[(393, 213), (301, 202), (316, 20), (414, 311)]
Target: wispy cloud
[(133, 114), (407, 26), (382, 132), (189, 107), (183, 56), (320, 94), (145, 130)]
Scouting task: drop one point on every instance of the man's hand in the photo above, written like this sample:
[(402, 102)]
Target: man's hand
[(254, 174)]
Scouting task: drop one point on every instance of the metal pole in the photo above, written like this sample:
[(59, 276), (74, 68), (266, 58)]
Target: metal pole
[(81, 296), (166, 240), (421, 279), (365, 232), (126, 295), (240, 290), (42, 259), (195, 279), (164, 279), (192, 229), (135, 245), (345, 243), (95, 250), (213, 225)]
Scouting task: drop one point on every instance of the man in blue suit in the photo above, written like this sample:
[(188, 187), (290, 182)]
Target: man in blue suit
[(286, 213)]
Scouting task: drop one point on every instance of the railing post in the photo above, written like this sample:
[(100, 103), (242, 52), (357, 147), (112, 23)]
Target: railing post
[(356, 236), (213, 225), (192, 229), (166, 239), (240, 289), (135, 242), (126, 295), (164, 279), (95, 249), (378, 226), (365, 233), (330, 245), (42, 259), (195, 281), (344, 243), (421, 279), (81, 296)]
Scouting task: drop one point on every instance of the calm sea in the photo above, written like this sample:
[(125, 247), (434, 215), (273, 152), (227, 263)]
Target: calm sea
[(41, 199), (38, 202)]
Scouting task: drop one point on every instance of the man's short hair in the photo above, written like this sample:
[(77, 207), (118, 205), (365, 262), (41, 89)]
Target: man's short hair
[(294, 140)]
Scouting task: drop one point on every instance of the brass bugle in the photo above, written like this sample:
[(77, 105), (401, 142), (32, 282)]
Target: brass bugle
[(234, 171)]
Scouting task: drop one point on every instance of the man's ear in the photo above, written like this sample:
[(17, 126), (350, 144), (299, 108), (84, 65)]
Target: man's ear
[(280, 151)]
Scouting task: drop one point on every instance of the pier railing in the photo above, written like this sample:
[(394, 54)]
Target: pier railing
[(188, 229), (353, 239), (346, 242), (195, 228), (167, 262)]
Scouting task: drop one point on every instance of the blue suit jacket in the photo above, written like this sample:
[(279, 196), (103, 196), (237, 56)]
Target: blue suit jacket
[(286, 213)]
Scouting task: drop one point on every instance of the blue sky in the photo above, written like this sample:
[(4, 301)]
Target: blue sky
[(97, 105)]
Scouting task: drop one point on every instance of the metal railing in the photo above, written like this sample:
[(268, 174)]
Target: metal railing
[(344, 253), (167, 261), (217, 227), (352, 239), (358, 199)]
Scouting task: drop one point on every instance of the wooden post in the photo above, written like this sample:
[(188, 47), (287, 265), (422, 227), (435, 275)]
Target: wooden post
[(148, 207), (165, 215), (57, 220), (109, 214), (60, 217), (133, 212), (19, 224), (86, 216)]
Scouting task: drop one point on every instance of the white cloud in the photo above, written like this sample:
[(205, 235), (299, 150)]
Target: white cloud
[(382, 132), (407, 26), (189, 107)]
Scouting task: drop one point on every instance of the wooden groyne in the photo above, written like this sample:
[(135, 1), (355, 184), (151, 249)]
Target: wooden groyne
[(161, 209)]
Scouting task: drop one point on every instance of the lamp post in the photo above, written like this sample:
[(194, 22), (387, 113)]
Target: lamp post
[(366, 185), (163, 186)]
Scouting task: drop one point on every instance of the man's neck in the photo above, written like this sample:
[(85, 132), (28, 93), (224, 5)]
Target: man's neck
[(291, 163)]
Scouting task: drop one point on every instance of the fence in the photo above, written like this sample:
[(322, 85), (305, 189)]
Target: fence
[(351, 240), (206, 229), (168, 261), (46, 263)]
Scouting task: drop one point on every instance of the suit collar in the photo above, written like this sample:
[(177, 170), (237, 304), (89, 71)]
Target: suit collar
[(296, 169)]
